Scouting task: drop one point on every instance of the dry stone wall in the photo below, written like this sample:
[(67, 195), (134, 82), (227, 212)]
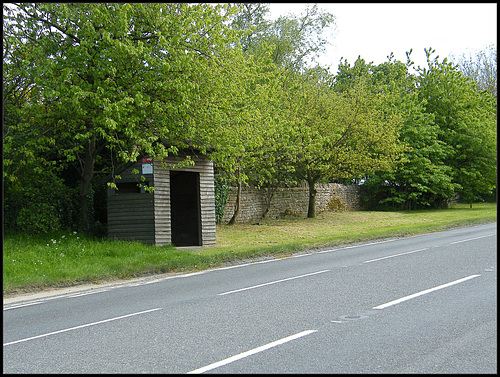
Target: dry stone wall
[(291, 201)]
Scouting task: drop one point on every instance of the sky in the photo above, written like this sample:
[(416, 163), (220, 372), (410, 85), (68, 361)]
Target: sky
[(374, 30)]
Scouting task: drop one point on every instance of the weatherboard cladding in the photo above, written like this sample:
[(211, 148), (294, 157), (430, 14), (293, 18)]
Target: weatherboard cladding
[(146, 217)]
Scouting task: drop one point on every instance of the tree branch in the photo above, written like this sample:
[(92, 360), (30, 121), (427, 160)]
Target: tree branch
[(64, 31)]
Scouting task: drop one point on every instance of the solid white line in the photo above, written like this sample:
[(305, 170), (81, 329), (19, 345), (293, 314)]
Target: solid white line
[(390, 303), (395, 255), (79, 327), (272, 282), (85, 293), (472, 239), (356, 246), (22, 305), (251, 352)]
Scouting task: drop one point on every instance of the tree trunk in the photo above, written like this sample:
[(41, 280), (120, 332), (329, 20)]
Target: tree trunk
[(269, 195), (311, 209), (91, 152), (237, 205)]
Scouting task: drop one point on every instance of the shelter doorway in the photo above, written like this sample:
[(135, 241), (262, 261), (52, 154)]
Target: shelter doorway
[(185, 208)]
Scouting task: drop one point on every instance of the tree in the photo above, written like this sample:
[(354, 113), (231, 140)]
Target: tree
[(467, 125), (244, 141), (257, 135), (250, 20), (114, 79), (421, 179), (35, 197), (339, 135), (481, 68), (294, 41), (297, 40)]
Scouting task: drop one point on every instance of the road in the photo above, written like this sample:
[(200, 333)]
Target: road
[(421, 304)]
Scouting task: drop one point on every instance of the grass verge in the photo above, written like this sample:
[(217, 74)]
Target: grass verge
[(64, 259)]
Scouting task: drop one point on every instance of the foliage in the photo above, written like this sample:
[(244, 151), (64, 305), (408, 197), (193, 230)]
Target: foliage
[(251, 146), (339, 135), (466, 120), (89, 86), (242, 134), (294, 41), (447, 125), (113, 80), (37, 202), (221, 194), (250, 20), (297, 40), (421, 179)]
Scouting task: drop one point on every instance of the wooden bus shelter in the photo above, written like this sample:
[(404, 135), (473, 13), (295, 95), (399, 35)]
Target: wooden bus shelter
[(180, 210)]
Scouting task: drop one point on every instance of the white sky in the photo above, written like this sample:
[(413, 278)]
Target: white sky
[(374, 30)]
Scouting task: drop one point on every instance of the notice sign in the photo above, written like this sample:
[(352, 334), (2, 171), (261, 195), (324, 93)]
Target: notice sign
[(147, 165)]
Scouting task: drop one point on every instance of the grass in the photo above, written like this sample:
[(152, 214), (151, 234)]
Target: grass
[(63, 259)]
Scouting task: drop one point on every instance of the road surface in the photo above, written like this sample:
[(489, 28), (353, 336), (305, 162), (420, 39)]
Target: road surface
[(421, 304)]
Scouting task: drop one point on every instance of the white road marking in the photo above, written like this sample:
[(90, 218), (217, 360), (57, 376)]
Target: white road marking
[(395, 255), (85, 293), (356, 246), (43, 300), (22, 305), (272, 282), (251, 352), (79, 327), (390, 303), (472, 239)]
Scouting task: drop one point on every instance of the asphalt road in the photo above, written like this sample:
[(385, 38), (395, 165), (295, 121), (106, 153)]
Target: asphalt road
[(422, 304)]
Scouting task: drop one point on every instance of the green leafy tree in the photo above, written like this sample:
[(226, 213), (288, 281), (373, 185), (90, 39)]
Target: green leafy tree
[(297, 40), (114, 79), (293, 40), (35, 197), (421, 179), (244, 138), (250, 19), (467, 126), (339, 135), (255, 135), (284, 46)]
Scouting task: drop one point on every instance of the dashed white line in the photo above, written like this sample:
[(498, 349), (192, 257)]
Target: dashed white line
[(406, 298), (79, 327), (251, 352), (272, 282)]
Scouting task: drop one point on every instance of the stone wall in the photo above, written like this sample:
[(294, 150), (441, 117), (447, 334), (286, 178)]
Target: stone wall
[(291, 201)]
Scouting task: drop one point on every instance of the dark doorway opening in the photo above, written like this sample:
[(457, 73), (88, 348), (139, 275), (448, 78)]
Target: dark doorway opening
[(185, 208)]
